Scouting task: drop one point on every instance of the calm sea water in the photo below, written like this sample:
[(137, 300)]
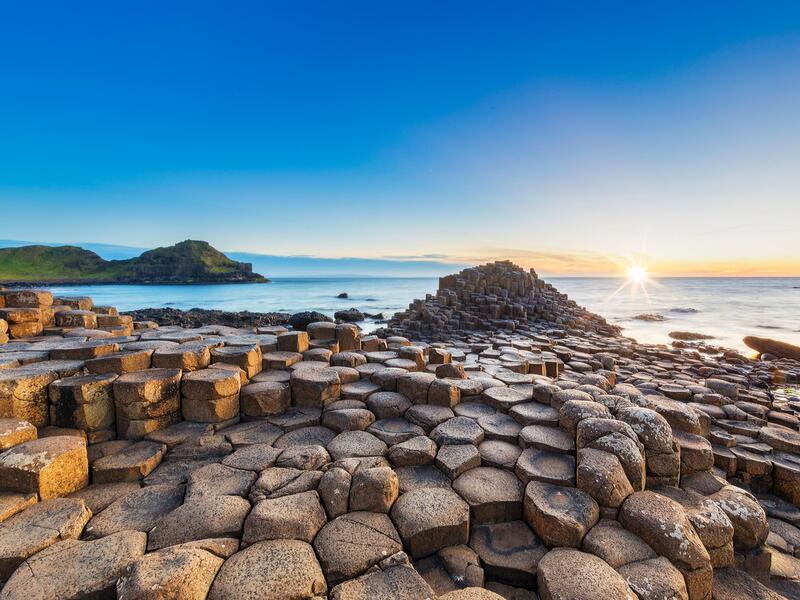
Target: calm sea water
[(727, 308)]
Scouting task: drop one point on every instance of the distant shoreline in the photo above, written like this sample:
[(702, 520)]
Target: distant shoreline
[(73, 282)]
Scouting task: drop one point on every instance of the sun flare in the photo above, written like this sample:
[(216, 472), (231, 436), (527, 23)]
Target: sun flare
[(637, 274)]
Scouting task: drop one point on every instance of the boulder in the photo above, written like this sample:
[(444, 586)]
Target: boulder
[(270, 570), (430, 519), (567, 574), (560, 516)]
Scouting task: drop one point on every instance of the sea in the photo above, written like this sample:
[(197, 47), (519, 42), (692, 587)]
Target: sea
[(726, 308)]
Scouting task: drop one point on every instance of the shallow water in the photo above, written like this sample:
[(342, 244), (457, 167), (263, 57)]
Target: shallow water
[(727, 308)]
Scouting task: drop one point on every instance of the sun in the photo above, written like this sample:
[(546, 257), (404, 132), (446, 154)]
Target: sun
[(637, 274)]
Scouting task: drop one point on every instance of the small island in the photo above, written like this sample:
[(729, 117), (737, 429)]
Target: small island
[(187, 262)]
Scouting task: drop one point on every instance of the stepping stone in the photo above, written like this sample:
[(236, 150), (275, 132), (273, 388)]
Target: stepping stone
[(23, 393), (600, 474), (658, 578), (270, 570), (280, 360), (696, 452), (509, 552), (374, 489), (83, 402), (315, 387), (355, 444), (146, 401), (186, 357), (309, 436), (255, 457), (210, 384), (413, 386), (388, 405), (548, 467), (473, 410), (359, 390), (138, 511), (455, 460), (431, 519), (347, 419), (216, 410), (504, 398), (295, 517), (247, 358), (15, 431), (560, 516), (781, 439), (552, 439), (565, 573), (12, 503), (77, 569), (500, 427), (420, 450), (276, 482), (242, 435), (394, 431), (119, 363), (616, 545), (418, 477), (129, 464), (662, 524), (217, 480), (100, 496), (458, 430), (306, 458), (500, 454), (350, 544), (265, 398), (50, 467), (176, 572), (38, 527), (534, 413), (493, 495), (199, 518), (334, 491), (394, 582), (428, 416)]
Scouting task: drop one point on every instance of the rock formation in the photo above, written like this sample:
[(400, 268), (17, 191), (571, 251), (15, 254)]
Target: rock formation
[(509, 445)]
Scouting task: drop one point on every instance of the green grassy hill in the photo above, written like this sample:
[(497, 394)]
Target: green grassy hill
[(190, 261)]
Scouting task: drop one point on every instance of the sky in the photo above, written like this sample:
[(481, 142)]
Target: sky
[(576, 137)]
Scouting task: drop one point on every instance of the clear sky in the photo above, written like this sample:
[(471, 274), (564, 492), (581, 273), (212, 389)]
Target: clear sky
[(568, 136)]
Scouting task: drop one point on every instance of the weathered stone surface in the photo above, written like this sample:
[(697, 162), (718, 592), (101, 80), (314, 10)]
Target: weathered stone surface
[(334, 490), (270, 570), (654, 579), (255, 457), (15, 431), (218, 480), (431, 519), (616, 545), (38, 527), (350, 544), (356, 444), (508, 551), (187, 357), (601, 475), (199, 518), (455, 460), (560, 516), (566, 574), (419, 450), (552, 439), (733, 584), (179, 573), (294, 517), (83, 402), (129, 464), (76, 569), (374, 489), (548, 467), (493, 495), (100, 496), (50, 467), (23, 393), (395, 582), (138, 510)]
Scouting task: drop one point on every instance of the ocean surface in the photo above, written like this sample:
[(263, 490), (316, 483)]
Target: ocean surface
[(727, 308)]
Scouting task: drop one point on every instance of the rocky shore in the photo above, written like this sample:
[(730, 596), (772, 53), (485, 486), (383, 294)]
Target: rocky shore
[(495, 440)]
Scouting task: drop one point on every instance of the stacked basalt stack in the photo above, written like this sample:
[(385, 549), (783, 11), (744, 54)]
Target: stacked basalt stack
[(224, 463), (496, 296)]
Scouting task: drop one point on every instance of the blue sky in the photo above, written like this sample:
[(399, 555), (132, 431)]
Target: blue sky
[(566, 136)]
